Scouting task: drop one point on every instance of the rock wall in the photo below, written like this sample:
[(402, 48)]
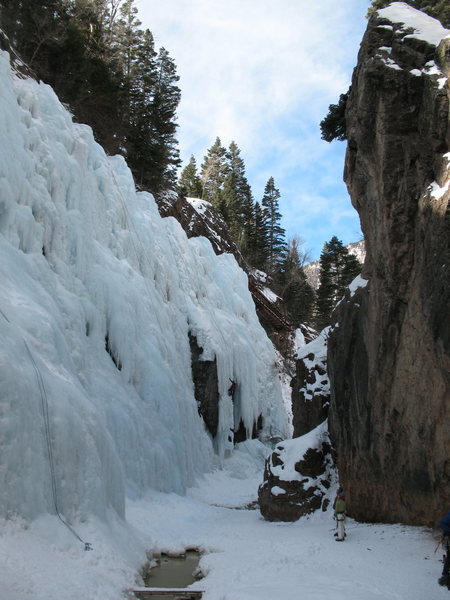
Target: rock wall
[(389, 355)]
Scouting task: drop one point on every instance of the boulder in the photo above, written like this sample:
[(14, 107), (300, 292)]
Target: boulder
[(297, 477)]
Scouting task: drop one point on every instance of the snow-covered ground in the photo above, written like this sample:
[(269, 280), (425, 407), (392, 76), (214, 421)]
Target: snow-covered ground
[(245, 557)]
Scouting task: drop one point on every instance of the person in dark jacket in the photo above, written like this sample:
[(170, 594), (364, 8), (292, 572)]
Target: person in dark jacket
[(444, 524), (339, 508)]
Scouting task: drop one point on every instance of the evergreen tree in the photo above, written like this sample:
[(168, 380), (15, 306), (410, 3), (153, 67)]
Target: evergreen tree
[(276, 244), (126, 37), (298, 295), (237, 199), (333, 126), (337, 269), (258, 246), (34, 27), (140, 90), (152, 147), (167, 97), (189, 183), (213, 172), (97, 18)]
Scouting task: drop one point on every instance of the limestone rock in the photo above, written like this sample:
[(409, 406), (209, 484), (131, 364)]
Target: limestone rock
[(389, 356)]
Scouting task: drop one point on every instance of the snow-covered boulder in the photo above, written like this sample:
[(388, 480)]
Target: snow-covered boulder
[(298, 476)]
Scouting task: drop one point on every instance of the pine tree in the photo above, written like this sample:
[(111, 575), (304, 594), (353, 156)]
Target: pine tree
[(97, 18), (333, 126), (34, 28), (258, 246), (165, 104), (213, 172), (189, 183), (337, 269), (126, 37), (139, 92), (298, 295), (275, 233), (237, 198), (152, 147), (105, 68)]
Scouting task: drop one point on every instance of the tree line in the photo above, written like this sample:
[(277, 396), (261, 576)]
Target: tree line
[(255, 227), (106, 68)]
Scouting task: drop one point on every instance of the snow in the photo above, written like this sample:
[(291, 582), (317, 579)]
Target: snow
[(269, 294), (431, 68), (260, 276), (292, 451), (437, 191), (201, 206), (244, 557), (425, 27), (299, 342), (358, 282), (391, 64), (277, 491), (314, 357), (317, 347)]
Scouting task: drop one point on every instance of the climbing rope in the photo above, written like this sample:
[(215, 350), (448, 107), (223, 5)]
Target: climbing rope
[(45, 415)]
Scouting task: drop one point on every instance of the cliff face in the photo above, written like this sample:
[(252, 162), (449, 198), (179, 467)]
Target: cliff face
[(389, 356)]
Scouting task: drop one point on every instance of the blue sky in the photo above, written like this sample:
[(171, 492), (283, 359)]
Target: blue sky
[(263, 73)]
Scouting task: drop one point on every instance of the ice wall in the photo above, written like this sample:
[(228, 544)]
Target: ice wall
[(97, 296)]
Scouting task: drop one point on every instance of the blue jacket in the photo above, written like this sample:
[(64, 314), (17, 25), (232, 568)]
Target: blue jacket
[(444, 524)]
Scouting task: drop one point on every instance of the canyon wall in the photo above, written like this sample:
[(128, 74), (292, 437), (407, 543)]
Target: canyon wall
[(389, 349)]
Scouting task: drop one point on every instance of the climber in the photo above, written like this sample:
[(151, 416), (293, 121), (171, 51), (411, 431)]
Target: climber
[(444, 524), (232, 388), (339, 507)]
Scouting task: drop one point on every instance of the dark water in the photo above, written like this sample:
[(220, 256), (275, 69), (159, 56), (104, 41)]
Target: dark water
[(173, 572)]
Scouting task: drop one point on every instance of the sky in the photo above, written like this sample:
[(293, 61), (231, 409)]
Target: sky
[(262, 73)]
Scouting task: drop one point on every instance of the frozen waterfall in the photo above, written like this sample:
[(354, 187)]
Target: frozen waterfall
[(97, 296)]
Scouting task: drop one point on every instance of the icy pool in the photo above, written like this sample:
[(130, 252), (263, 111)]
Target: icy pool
[(174, 572)]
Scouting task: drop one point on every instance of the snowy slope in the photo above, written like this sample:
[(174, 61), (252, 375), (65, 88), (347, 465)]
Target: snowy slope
[(98, 295)]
